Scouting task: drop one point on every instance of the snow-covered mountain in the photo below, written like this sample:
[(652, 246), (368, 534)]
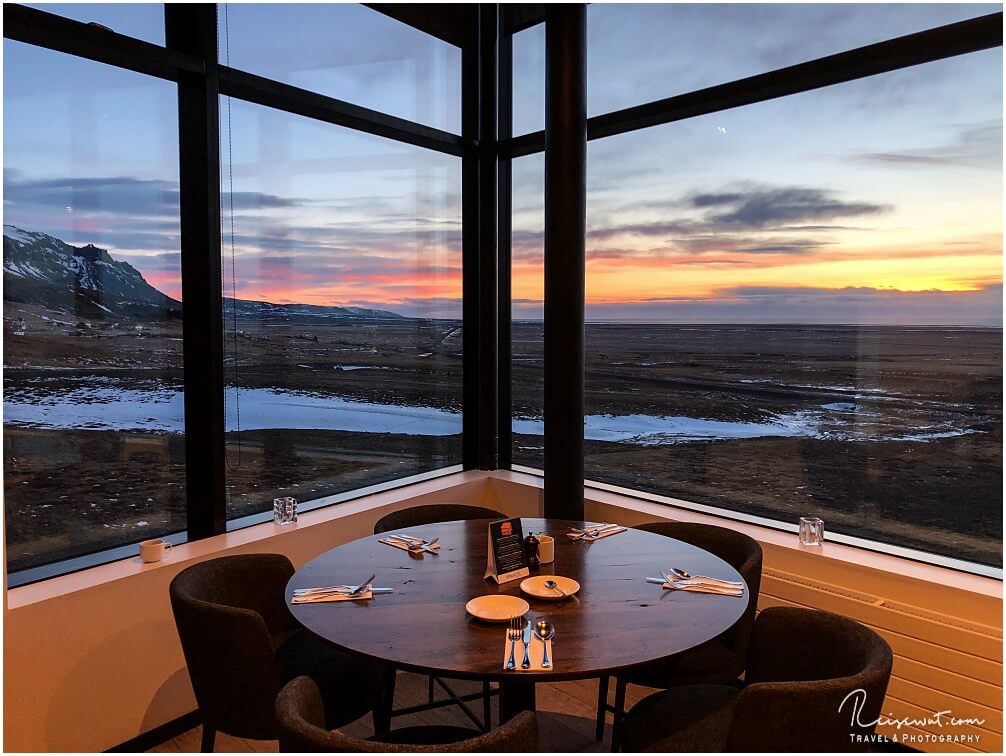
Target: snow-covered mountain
[(85, 281), (89, 283)]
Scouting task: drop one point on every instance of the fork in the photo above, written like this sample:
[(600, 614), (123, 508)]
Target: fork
[(513, 634)]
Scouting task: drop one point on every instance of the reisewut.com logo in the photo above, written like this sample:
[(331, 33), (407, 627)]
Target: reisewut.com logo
[(943, 719)]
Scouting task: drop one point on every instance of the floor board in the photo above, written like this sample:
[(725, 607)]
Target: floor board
[(565, 717)]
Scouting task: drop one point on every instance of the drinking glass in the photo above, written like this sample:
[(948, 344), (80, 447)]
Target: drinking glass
[(811, 531), (284, 510)]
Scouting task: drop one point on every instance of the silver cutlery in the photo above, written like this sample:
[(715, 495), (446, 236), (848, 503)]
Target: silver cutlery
[(680, 573), (554, 586), (544, 631), (513, 635), (595, 531), (526, 664), (693, 587), (417, 544), (337, 589), (363, 587)]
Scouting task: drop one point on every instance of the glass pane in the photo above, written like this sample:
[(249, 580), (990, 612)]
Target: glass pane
[(349, 52), (343, 352), (527, 331), (796, 308), (141, 20), (93, 427), (638, 53), (529, 80)]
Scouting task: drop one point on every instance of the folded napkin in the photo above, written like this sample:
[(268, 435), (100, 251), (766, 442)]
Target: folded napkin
[(603, 531), (328, 598), (536, 652)]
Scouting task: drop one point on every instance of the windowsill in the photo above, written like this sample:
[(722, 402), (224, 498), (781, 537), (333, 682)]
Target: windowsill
[(358, 501), (871, 558), (642, 508)]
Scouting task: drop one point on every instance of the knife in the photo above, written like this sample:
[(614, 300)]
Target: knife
[(526, 664)]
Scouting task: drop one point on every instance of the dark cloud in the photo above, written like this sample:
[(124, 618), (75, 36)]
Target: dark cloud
[(734, 220), (759, 208)]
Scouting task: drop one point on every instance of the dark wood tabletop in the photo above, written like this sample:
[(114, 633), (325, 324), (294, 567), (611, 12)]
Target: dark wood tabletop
[(617, 620)]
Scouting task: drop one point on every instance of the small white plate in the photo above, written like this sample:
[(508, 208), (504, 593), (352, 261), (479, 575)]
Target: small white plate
[(497, 607), (535, 586)]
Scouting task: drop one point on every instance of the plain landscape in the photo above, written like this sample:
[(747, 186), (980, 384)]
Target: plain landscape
[(889, 433)]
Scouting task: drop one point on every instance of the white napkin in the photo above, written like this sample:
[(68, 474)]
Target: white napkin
[(328, 598), (536, 652)]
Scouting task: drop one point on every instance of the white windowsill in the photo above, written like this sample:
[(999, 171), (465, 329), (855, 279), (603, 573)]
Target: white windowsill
[(860, 557)]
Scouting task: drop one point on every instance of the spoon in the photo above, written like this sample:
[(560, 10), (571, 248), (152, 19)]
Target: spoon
[(554, 586), (544, 631), (689, 576)]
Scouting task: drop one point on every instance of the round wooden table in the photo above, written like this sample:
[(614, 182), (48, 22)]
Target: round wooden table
[(617, 621)]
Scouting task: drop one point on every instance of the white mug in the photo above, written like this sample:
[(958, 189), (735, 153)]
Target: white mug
[(153, 550), (546, 549)]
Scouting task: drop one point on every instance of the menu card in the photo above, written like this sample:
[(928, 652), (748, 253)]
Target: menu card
[(506, 559)]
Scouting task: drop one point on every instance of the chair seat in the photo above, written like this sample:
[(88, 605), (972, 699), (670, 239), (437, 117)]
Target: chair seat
[(691, 718), (712, 663), (426, 735), (350, 687)]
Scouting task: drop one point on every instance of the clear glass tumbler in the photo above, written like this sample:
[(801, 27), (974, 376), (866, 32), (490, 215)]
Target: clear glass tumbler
[(284, 510), (811, 531)]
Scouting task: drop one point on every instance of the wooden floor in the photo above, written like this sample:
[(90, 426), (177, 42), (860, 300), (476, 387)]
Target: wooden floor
[(565, 717)]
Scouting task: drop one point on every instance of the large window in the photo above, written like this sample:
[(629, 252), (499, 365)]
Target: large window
[(795, 307), (93, 426), (342, 294), (339, 280)]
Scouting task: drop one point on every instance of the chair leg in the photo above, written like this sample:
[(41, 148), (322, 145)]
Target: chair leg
[(487, 712), (602, 706), (616, 727), (209, 739), (431, 689)]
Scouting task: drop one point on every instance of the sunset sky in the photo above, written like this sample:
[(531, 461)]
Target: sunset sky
[(873, 201)]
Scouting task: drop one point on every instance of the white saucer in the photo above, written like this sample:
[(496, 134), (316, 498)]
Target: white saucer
[(497, 607), (535, 586)]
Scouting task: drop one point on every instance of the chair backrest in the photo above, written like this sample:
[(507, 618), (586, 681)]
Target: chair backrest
[(227, 612), (427, 513), (815, 681), (741, 552), (300, 717)]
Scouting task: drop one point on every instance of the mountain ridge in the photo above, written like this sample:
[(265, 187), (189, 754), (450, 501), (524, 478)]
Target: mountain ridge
[(44, 270)]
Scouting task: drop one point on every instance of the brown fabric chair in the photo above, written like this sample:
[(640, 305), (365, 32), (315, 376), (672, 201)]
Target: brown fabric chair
[(721, 660), (425, 514), (300, 716), (241, 644), (808, 674)]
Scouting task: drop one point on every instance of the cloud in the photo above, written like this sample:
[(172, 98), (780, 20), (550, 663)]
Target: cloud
[(757, 208), (974, 146)]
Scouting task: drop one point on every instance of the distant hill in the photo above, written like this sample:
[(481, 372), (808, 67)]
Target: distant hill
[(87, 282)]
